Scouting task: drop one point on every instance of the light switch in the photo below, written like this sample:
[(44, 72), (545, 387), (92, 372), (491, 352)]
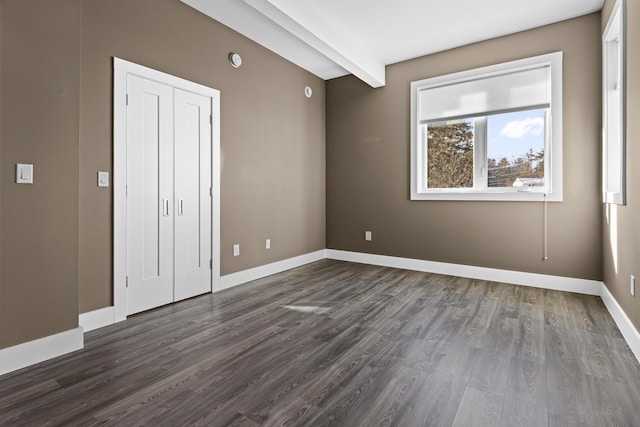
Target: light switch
[(103, 179), (24, 173)]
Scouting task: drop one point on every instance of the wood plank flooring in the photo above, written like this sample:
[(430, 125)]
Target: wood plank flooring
[(341, 344)]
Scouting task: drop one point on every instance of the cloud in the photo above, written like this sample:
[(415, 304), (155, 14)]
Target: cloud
[(521, 128)]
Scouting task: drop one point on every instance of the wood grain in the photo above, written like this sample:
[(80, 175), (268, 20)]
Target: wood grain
[(341, 344)]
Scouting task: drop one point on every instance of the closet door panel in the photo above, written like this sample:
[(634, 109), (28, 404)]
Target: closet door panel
[(192, 194), (149, 194)]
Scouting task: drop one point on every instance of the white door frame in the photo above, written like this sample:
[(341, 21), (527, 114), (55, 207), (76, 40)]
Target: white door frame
[(121, 69)]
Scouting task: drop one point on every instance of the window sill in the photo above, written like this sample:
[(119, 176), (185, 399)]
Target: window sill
[(488, 196)]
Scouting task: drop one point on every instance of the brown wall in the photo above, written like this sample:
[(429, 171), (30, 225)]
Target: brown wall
[(2, 168), (621, 239), (56, 74), (56, 79), (272, 136), (368, 165), (40, 121)]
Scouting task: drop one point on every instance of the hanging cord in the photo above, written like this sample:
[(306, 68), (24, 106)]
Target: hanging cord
[(545, 229)]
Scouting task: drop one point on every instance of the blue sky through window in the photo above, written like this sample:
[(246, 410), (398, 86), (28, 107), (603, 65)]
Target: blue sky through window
[(511, 135)]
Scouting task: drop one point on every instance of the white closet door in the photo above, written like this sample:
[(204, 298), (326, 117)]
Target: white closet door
[(149, 194), (192, 194)]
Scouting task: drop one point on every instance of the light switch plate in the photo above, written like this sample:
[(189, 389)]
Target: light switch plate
[(103, 179), (24, 173)]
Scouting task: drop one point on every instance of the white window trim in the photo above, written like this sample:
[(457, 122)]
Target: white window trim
[(553, 140), (615, 29)]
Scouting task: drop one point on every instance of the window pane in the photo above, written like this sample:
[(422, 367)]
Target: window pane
[(515, 149), (614, 81), (450, 154)]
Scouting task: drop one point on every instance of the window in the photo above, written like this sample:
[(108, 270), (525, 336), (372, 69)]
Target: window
[(487, 134), (613, 109)]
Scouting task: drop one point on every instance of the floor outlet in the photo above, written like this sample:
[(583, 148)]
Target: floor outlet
[(236, 250), (632, 285), (367, 236)]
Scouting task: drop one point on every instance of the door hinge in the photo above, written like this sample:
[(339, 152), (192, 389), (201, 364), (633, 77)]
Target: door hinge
[(211, 191), (211, 119), (127, 101), (126, 190), (210, 264), (127, 281)]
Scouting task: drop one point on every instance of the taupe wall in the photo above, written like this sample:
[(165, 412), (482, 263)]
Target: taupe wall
[(40, 121), (56, 81), (621, 242), (368, 167), (56, 235), (2, 168), (272, 136)]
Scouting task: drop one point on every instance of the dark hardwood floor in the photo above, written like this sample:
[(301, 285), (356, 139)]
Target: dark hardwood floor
[(335, 343)]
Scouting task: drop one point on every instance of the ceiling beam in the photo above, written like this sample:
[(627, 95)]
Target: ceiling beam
[(311, 26)]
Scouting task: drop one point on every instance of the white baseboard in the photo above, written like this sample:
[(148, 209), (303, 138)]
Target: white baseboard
[(23, 355), (235, 279), (36, 351), (97, 318), (568, 284), (629, 332)]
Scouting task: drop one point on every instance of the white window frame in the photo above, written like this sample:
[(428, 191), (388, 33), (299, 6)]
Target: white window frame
[(614, 80), (552, 190)]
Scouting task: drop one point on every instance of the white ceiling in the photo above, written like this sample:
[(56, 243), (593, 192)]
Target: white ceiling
[(332, 38)]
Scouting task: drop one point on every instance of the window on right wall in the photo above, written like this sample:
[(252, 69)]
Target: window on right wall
[(614, 107)]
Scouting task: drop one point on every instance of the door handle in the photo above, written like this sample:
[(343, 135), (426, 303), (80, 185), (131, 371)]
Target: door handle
[(180, 207), (165, 207)]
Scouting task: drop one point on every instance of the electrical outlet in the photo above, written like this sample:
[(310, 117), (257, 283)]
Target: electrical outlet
[(632, 285), (267, 244), (367, 236), (236, 250)]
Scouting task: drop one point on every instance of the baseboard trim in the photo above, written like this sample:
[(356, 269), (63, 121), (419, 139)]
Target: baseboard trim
[(36, 351), (32, 352), (567, 284), (629, 332), (235, 279), (97, 318)]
